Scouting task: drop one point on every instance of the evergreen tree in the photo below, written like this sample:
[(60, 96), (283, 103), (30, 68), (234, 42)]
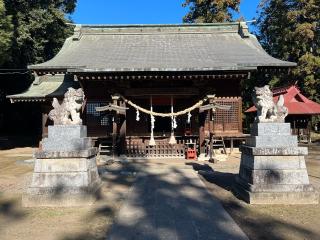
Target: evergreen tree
[(5, 33), (290, 30), (209, 11), (39, 29)]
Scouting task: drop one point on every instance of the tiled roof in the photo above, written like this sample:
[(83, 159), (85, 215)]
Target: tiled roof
[(45, 87), (192, 47)]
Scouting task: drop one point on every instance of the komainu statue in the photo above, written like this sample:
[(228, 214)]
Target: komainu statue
[(68, 112), (267, 110)]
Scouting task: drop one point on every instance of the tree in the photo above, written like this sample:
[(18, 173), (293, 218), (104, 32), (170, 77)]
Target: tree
[(290, 30), (209, 11), (40, 28), (5, 33)]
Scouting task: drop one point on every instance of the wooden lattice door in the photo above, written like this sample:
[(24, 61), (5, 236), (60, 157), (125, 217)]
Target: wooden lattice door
[(225, 122)]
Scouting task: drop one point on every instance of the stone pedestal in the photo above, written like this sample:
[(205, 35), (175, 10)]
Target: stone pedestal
[(65, 172), (273, 169)]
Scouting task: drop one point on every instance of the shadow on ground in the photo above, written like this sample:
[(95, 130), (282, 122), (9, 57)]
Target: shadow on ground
[(123, 174), (174, 216), (164, 204), (254, 224), (11, 142), (10, 212), (186, 213)]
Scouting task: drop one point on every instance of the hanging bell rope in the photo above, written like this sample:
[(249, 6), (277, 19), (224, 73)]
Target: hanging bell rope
[(172, 114)]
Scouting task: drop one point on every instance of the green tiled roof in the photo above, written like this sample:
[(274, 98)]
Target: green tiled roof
[(189, 47), (45, 87)]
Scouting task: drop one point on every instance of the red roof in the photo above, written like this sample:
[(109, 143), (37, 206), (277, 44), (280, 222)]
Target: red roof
[(294, 101)]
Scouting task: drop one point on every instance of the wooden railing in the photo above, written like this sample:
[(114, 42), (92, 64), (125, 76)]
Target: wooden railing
[(139, 148)]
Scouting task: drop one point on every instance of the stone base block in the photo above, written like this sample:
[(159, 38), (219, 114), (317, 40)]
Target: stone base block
[(274, 151), (65, 181), (67, 131), (273, 169), (270, 129), (66, 145), (66, 138), (307, 195), (61, 197), (272, 141)]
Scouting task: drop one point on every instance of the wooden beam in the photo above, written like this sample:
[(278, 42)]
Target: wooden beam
[(161, 91)]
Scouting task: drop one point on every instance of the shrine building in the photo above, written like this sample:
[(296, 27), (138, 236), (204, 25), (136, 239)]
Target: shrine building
[(162, 68)]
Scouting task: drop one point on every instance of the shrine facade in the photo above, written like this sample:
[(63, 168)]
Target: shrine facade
[(165, 68)]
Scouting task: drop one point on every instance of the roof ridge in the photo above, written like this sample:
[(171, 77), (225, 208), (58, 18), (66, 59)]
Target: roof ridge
[(240, 28), (159, 25)]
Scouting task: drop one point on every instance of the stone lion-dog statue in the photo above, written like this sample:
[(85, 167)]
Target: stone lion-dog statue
[(68, 112), (267, 110)]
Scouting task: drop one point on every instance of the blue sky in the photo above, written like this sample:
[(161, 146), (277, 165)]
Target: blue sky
[(141, 11)]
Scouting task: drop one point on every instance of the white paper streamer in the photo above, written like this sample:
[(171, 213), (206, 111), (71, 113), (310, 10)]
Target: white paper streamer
[(189, 118)]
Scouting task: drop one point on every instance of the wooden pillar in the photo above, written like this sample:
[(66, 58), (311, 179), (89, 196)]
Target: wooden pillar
[(211, 128), (123, 130), (309, 127), (202, 120), (114, 126)]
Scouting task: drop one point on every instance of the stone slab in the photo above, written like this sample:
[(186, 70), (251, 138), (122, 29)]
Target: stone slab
[(270, 129), (66, 154), (61, 197), (274, 197), (274, 187), (277, 176), (62, 165), (66, 144), (62, 132), (62, 180), (172, 204), (274, 151), (273, 162), (272, 141)]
